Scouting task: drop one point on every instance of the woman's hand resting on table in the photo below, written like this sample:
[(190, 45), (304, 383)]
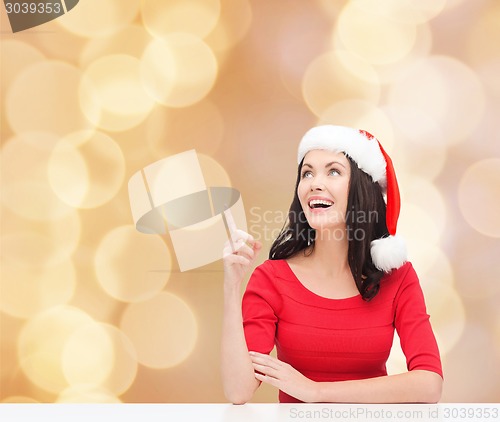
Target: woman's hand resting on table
[(283, 376)]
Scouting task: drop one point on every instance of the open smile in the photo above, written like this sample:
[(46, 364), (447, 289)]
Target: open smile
[(319, 204)]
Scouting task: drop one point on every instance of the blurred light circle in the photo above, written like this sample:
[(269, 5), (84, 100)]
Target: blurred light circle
[(451, 4), (417, 12), (415, 126), (178, 70), (44, 97), (447, 312), (488, 73), (456, 111), (331, 8), (41, 345), (24, 183), (86, 169), (87, 356), (28, 289), (162, 18), (132, 266), (213, 172), (233, 24), (472, 254), (388, 72), (125, 366), (58, 239), (97, 18), (33, 200), (297, 45), (480, 44), (163, 330), (68, 174), (112, 85), (431, 263), (40, 250), (413, 217), (201, 127), (362, 115), (407, 11), (337, 76), (65, 48), (17, 56), (100, 355), (481, 377), (378, 39), (86, 394), (66, 231), (422, 150), (444, 304), (478, 194), (422, 192), (130, 40)]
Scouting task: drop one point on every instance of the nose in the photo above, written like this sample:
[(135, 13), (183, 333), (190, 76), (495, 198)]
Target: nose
[(317, 184)]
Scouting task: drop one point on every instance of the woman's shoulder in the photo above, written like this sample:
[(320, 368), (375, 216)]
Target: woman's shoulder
[(266, 282), (272, 274), (272, 268), (399, 277), (401, 272)]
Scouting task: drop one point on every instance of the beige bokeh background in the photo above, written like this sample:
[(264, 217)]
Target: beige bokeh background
[(93, 310)]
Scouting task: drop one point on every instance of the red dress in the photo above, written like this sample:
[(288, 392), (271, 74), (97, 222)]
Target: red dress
[(337, 339)]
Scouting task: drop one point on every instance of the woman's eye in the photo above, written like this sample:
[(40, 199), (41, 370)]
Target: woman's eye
[(334, 172), (306, 174)]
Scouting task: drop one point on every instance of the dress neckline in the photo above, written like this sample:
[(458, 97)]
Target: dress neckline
[(356, 297)]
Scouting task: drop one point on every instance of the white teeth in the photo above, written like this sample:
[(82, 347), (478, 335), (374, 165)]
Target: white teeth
[(319, 201)]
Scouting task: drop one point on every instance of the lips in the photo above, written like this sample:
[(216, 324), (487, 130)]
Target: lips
[(319, 203)]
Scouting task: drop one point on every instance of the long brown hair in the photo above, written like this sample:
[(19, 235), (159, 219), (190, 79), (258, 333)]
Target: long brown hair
[(365, 221)]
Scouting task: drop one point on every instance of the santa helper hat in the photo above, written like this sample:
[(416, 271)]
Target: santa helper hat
[(365, 150)]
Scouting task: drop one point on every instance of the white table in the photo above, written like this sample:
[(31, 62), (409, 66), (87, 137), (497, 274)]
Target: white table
[(247, 413)]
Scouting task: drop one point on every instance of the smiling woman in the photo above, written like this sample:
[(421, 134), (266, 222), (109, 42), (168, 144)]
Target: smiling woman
[(326, 209), (336, 286)]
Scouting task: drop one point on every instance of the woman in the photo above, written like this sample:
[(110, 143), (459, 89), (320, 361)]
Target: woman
[(335, 287)]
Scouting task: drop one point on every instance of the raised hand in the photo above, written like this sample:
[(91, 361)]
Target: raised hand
[(239, 253)]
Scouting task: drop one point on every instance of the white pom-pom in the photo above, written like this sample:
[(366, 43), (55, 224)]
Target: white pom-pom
[(388, 253)]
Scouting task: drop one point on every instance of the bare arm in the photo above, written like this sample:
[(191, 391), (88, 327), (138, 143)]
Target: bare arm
[(238, 376), (416, 386)]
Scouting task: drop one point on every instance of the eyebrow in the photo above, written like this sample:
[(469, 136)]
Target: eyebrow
[(326, 166)]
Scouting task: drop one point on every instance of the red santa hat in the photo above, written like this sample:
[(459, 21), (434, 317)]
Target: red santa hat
[(365, 150)]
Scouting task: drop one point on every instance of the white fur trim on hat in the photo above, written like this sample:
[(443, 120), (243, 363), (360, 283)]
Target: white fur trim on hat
[(364, 151), (388, 253)]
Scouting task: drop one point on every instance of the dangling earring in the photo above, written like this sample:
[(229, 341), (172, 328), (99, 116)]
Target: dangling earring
[(309, 239)]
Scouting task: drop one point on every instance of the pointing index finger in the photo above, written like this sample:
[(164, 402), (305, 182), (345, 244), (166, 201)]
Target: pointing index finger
[(231, 225), (237, 237), (227, 216)]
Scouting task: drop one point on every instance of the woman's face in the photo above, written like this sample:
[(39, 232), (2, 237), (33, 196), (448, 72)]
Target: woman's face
[(323, 188)]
